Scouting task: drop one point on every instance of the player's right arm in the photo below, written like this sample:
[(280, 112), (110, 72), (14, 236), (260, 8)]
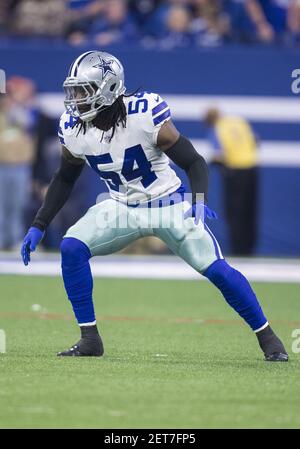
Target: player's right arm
[(59, 191), (181, 151)]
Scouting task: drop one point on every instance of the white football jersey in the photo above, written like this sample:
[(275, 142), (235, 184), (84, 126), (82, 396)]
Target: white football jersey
[(132, 166)]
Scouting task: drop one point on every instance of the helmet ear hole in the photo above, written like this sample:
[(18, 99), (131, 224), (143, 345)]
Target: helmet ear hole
[(112, 87)]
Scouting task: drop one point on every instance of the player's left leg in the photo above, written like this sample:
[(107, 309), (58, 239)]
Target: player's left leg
[(78, 283), (104, 229), (199, 248)]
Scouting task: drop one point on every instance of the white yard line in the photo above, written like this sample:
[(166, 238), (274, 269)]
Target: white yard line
[(264, 270)]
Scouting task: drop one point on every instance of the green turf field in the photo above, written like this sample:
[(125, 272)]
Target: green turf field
[(209, 371)]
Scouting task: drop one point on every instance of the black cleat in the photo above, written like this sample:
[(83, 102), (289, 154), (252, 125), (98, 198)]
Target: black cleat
[(90, 344), (277, 357), (272, 346), (83, 349), (74, 351)]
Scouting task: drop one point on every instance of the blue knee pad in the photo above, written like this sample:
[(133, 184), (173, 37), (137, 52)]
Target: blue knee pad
[(74, 252), (78, 279), (237, 292)]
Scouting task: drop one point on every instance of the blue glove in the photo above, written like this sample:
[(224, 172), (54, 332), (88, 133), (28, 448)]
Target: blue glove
[(30, 242), (197, 212)]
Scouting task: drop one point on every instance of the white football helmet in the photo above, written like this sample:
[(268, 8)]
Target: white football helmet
[(95, 81)]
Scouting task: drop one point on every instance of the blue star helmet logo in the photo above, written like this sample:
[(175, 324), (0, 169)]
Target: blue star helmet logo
[(105, 66)]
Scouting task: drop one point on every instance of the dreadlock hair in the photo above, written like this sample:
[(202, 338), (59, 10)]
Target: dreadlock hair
[(107, 118)]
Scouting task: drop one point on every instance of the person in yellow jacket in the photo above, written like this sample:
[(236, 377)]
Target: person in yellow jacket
[(235, 150)]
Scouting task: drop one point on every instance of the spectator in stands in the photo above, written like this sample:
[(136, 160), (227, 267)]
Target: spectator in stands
[(81, 16), (7, 8), (17, 119), (193, 22), (210, 25), (269, 18), (107, 22), (234, 146), (145, 14), (265, 21), (3, 16), (104, 22), (242, 29), (178, 28), (161, 14), (294, 21), (40, 18), (81, 4), (115, 26)]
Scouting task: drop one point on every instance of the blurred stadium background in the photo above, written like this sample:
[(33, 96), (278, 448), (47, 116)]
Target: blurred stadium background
[(237, 55)]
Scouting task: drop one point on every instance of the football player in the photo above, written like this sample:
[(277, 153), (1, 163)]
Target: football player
[(128, 140)]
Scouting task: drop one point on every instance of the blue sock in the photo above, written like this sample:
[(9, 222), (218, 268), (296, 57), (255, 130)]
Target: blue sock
[(78, 278), (237, 292)]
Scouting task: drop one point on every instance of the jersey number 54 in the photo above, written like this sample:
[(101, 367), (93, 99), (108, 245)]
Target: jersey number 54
[(135, 166)]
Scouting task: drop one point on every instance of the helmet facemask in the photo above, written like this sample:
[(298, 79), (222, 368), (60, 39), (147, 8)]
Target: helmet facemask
[(83, 99)]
